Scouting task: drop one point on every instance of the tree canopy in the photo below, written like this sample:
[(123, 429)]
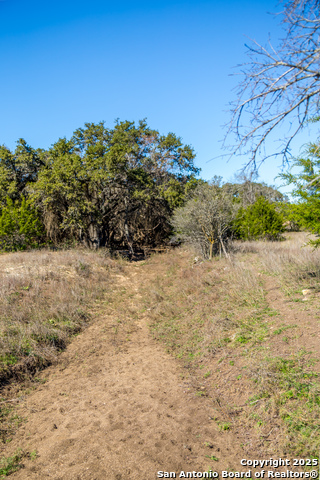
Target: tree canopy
[(104, 187), (124, 187)]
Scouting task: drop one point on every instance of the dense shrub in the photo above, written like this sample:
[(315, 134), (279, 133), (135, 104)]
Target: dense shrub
[(20, 226), (259, 221)]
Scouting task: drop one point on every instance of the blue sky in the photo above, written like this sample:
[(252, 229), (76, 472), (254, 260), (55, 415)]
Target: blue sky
[(68, 62)]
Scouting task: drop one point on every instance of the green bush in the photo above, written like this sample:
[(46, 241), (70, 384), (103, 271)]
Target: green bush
[(20, 226), (306, 211), (259, 221)]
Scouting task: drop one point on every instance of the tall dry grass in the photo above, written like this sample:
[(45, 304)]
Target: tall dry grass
[(293, 261), (196, 307), (45, 298)]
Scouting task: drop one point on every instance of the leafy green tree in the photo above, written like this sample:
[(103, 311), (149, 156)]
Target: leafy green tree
[(17, 170), (20, 226), (259, 221), (307, 189), (113, 186)]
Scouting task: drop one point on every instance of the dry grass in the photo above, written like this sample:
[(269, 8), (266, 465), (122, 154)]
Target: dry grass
[(216, 316), (290, 241), (296, 264), (192, 304), (287, 399), (45, 298)]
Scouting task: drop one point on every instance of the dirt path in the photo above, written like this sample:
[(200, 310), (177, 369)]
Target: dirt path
[(117, 407)]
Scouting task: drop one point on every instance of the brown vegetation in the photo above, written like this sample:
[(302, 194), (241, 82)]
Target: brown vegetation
[(45, 298)]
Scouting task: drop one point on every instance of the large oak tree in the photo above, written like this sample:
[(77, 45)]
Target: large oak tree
[(113, 186)]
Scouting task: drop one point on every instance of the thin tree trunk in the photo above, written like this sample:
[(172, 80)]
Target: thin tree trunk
[(126, 229), (224, 248), (210, 251)]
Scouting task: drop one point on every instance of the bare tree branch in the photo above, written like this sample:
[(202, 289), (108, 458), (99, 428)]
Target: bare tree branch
[(279, 87)]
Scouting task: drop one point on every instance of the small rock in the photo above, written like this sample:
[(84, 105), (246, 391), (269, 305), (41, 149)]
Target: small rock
[(306, 291)]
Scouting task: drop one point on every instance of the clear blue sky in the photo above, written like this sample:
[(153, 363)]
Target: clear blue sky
[(68, 62)]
